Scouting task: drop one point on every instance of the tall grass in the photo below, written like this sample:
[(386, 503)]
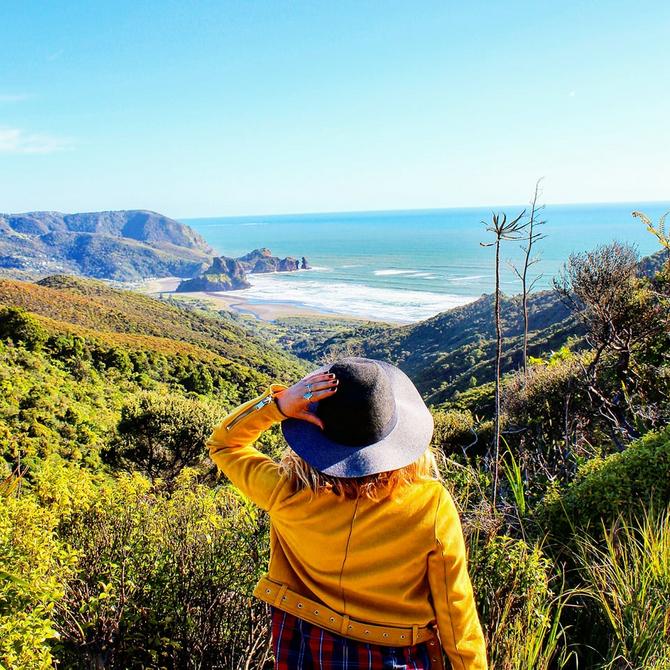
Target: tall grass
[(627, 577)]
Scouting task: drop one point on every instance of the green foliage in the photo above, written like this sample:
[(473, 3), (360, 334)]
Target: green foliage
[(130, 320), (46, 409), (478, 400), (34, 568), (454, 430), (657, 229), (605, 488), (518, 610), (627, 578), (20, 327), (160, 434), (164, 579)]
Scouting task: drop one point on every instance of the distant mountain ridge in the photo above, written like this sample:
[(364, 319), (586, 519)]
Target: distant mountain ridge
[(122, 245)]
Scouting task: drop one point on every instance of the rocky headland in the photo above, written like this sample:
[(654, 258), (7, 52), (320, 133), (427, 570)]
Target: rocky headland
[(230, 274), (124, 245)]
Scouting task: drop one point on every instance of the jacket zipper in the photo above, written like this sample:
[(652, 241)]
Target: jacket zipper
[(249, 410)]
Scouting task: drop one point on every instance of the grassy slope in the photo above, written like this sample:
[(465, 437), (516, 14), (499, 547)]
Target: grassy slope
[(138, 321)]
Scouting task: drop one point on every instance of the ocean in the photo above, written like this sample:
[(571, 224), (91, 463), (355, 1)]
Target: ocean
[(409, 265)]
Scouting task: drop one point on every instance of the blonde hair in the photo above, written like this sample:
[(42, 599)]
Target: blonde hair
[(305, 477)]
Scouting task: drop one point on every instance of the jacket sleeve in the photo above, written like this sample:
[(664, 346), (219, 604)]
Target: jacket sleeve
[(451, 590), (230, 447)]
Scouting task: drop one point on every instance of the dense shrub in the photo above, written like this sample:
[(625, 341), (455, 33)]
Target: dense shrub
[(164, 580), (604, 488), (627, 579), (33, 570), (22, 328), (454, 430), (516, 604), (160, 434)]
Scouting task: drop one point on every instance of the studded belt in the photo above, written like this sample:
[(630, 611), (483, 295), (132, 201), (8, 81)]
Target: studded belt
[(280, 596)]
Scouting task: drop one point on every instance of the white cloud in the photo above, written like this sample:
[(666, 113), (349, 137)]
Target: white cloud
[(572, 94), (13, 97), (16, 141)]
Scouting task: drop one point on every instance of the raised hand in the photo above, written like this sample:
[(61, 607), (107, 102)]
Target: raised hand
[(295, 401)]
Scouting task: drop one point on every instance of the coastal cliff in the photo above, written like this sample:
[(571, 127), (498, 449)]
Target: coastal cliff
[(123, 245)]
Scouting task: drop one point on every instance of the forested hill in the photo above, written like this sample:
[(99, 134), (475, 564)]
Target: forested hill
[(454, 350), (137, 322), (123, 245)]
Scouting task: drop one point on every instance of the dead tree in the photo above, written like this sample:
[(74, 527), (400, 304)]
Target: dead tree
[(532, 236)]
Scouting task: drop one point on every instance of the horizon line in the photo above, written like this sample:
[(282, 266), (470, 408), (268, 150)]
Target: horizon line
[(418, 209)]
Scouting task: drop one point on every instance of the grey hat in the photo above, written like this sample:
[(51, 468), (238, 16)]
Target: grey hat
[(376, 422)]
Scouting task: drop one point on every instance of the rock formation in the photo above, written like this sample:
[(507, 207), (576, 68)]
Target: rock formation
[(229, 274), (261, 261), (225, 274)]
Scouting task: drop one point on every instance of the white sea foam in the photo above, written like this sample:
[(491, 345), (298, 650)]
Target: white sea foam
[(384, 273), (349, 298), (408, 274), (468, 278)]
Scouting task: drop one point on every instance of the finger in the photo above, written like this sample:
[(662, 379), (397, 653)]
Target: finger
[(324, 393), (323, 376), (312, 418), (320, 386)]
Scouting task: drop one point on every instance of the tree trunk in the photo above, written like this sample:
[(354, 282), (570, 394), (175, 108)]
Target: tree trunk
[(496, 429)]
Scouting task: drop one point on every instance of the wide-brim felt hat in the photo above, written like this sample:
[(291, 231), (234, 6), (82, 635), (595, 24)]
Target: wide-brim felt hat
[(375, 422)]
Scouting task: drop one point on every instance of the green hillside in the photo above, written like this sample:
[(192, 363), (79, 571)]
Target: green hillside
[(454, 350), (120, 316), (121, 549)]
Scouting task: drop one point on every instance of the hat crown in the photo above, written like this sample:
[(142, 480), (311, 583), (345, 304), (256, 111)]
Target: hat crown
[(363, 411)]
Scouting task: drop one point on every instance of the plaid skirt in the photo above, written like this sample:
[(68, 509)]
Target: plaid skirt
[(300, 645)]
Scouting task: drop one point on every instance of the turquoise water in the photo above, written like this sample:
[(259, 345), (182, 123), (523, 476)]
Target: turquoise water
[(409, 265)]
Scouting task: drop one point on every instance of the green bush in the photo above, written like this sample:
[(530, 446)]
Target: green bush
[(627, 577), (33, 570), (517, 607), (22, 328), (604, 488), (164, 578), (160, 434), (454, 430)]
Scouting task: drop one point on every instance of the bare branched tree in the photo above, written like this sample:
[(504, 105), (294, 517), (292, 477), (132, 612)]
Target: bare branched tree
[(603, 289), (532, 236), (503, 230)]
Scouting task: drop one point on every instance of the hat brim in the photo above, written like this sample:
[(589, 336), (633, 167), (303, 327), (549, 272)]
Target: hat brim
[(406, 442)]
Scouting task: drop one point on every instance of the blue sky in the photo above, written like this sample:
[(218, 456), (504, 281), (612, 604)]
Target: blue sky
[(216, 108)]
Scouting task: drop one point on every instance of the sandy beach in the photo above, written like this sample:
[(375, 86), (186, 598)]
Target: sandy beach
[(234, 301)]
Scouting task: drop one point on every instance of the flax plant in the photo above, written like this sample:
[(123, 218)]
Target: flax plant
[(656, 229), (627, 576), (503, 230)]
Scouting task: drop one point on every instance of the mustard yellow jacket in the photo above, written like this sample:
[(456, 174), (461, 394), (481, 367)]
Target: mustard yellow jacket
[(399, 561)]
